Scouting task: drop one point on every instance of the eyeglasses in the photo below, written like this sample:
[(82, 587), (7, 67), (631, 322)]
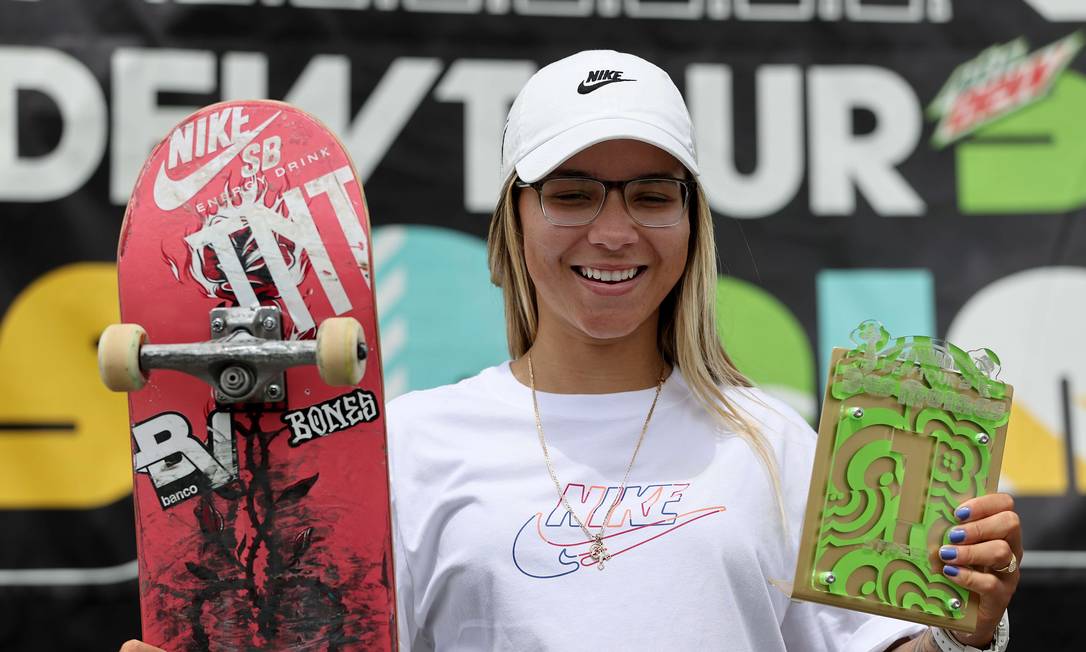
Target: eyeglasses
[(576, 201)]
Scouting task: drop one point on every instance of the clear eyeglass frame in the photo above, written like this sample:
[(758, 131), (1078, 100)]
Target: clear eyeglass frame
[(686, 188)]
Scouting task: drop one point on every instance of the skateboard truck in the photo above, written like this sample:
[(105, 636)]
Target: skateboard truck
[(245, 360)]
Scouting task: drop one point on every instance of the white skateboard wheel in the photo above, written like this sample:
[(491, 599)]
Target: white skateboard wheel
[(119, 357), (338, 340)]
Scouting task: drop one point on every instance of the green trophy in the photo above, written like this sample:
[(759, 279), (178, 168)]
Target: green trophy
[(911, 427)]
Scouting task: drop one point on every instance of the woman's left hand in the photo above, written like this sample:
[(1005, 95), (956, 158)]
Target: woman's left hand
[(987, 539)]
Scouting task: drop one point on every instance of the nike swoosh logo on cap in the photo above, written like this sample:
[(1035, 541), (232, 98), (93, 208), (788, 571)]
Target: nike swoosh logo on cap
[(171, 193), (585, 90)]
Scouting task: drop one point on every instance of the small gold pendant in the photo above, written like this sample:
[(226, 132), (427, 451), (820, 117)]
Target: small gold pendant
[(598, 552)]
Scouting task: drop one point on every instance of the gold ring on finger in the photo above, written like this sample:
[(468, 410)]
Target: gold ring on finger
[(1011, 567)]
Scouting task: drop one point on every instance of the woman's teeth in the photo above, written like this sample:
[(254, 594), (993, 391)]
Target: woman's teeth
[(609, 275)]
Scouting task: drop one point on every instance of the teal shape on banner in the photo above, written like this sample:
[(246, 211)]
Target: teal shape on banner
[(441, 319), (902, 299)]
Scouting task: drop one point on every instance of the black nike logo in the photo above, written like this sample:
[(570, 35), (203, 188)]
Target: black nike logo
[(599, 78)]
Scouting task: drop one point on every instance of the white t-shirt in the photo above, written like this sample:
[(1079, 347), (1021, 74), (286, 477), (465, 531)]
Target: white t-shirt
[(487, 558)]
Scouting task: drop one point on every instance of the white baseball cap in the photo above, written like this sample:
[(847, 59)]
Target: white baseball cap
[(588, 98)]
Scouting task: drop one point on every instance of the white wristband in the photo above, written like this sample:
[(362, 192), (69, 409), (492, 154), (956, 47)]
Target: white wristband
[(947, 642)]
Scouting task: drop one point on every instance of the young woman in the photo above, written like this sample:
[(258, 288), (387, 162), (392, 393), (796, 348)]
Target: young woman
[(619, 485)]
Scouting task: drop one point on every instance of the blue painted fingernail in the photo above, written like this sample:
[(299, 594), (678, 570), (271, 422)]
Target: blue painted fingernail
[(946, 553), (957, 535), (950, 570), (962, 513)]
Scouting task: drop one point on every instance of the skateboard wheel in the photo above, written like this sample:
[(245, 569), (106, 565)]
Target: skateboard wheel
[(119, 357), (338, 341)]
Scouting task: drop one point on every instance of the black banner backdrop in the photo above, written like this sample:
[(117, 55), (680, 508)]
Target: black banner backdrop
[(818, 121)]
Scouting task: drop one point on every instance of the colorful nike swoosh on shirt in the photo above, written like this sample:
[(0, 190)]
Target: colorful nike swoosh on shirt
[(171, 193), (531, 544)]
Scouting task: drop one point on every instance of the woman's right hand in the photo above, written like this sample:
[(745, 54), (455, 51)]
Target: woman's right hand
[(139, 646)]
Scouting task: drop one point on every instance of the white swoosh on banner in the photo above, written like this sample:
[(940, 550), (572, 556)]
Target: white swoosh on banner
[(1061, 10), (125, 572), (171, 193)]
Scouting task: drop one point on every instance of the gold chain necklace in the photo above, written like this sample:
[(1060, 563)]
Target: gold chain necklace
[(598, 551)]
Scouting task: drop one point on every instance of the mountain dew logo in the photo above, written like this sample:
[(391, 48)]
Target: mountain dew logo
[(1022, 113), (1000, 81)]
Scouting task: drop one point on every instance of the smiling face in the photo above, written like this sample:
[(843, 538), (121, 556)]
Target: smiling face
[(606, 279)]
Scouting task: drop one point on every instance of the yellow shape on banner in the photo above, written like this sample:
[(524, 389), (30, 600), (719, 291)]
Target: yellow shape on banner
[(1035, 458), (63, 435)]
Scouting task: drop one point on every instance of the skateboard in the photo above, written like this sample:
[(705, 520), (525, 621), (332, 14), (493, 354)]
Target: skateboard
[(911, 428), (249, 351)]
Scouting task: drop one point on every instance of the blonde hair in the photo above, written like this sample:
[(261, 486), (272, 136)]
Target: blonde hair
[(686, 334)]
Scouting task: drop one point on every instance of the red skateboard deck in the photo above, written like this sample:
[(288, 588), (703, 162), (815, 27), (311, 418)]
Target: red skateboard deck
[(261, 524)]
